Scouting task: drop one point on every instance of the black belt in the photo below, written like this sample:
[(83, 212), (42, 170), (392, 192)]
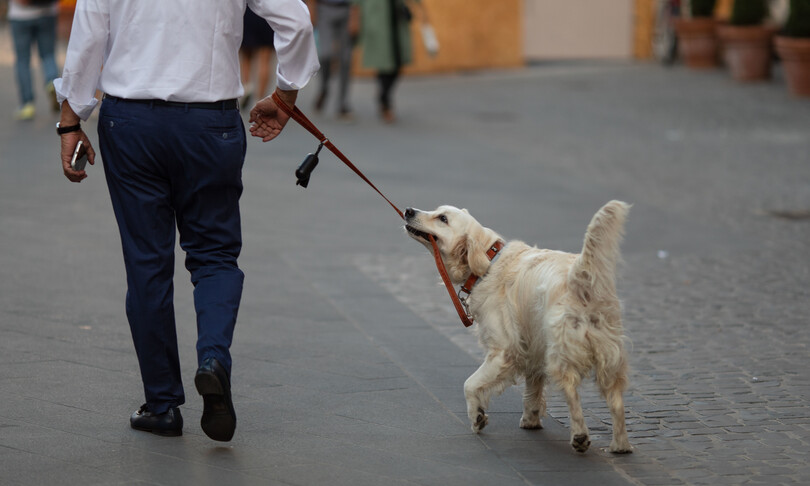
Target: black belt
[(232, 104)]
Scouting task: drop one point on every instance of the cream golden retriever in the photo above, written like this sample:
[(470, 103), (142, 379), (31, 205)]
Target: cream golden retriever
[(541, 314)]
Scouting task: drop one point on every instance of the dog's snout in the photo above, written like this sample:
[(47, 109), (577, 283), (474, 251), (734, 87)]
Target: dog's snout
[(410, 213)]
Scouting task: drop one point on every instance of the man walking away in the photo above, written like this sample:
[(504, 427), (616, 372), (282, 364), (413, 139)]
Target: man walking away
[(173, 144)]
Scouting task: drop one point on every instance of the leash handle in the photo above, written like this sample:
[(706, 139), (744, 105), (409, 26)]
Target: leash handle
[(302, 120)]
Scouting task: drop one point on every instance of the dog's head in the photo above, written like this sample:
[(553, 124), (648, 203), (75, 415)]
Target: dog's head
[(462, 241)]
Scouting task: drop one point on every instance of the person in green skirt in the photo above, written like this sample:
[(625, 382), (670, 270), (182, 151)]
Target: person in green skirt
[(385, 35)]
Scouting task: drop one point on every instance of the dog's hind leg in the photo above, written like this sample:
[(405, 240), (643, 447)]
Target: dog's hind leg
[(612, 385), (620, 444), (534, 402), (580, 440), (490, 378)]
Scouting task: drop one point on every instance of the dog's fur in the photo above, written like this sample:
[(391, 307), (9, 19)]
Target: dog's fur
[(540, 313)]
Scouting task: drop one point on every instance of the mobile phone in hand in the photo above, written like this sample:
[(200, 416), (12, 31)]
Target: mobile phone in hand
[(79, 160)]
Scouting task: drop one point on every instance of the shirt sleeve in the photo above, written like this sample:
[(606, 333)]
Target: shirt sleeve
[(85, 56), (294, 40)]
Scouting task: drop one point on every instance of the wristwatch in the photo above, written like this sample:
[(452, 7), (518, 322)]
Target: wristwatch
[(72, 128)]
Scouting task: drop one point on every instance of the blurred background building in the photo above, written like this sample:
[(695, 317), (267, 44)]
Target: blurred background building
[(482, 34)]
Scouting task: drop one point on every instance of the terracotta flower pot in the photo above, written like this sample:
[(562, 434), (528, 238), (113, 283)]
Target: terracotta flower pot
[(795, 55), (747, 51), (697, 42)]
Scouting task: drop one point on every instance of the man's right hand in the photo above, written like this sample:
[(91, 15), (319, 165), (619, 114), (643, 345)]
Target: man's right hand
[(69, 118), (69, 142)]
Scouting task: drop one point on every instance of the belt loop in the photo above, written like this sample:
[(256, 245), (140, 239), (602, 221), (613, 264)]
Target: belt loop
[(151, 104), (185, 108)]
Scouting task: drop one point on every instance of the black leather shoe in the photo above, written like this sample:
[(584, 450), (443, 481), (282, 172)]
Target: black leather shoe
[(169, 423), (218, 418)]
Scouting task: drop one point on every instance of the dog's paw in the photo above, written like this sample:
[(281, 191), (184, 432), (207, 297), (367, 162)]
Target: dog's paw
[(531, 421), (620, 447), (581, 442), (480, 421)]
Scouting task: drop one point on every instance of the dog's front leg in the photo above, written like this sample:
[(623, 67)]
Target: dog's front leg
[(490, 377)]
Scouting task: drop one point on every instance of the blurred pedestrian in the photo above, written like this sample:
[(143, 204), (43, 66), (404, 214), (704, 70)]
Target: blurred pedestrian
[(33, 22), (256, 50), (337, 25), (173, 145), (386, 38)]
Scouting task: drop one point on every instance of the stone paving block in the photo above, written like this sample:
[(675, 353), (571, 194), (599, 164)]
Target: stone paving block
[(62, 418), (720, 421), (326, 475), (182, 473), (46, 470), (466, 477), (343, 452), (766, 470), (666, 412), (528, 457), (663, 481), (567, 478), (719, 480), (684, 425)]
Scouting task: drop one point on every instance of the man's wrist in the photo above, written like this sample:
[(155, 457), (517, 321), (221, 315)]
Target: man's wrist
[(68, 119), (287, 96), (63, 129)]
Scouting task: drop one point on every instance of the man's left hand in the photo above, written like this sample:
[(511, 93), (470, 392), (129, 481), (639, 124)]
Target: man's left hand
[(266, 119)]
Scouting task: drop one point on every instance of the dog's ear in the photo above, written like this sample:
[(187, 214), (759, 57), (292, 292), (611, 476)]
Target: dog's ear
[(477, 241), (457, 263)]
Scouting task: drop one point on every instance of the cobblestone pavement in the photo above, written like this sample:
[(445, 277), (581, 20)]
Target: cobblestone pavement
[(718, 327)]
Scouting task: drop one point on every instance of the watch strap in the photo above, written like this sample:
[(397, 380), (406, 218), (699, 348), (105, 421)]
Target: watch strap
[(70, 128)]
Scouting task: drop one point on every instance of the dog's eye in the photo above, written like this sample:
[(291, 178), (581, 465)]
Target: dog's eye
[(443, 219)]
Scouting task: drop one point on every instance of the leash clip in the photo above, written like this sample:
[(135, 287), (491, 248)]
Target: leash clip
[(464, 303)]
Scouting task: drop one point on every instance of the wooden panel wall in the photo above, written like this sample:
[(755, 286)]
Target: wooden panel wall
[(644, 23)]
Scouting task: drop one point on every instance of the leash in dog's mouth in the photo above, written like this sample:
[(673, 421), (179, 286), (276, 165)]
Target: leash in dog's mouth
[(420, 234)]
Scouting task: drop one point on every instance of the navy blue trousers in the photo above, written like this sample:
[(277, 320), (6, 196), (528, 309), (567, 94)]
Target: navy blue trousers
[(170, 166)]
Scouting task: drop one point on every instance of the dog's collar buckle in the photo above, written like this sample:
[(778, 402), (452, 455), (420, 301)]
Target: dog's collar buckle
[(464, 303), (466, 288)]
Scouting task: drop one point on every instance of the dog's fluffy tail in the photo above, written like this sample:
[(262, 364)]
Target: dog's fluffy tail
[(592, 276)]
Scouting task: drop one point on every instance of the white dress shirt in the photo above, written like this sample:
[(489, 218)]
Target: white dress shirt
[(176, 50)]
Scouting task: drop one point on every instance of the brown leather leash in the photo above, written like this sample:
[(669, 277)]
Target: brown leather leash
[(297, 115)]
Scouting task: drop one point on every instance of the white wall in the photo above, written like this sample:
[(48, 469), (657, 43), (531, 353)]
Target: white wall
[(578, 29)]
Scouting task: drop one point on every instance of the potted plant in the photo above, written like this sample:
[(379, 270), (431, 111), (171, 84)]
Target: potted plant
[(793, 47), (697, 41), (747, 41)]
